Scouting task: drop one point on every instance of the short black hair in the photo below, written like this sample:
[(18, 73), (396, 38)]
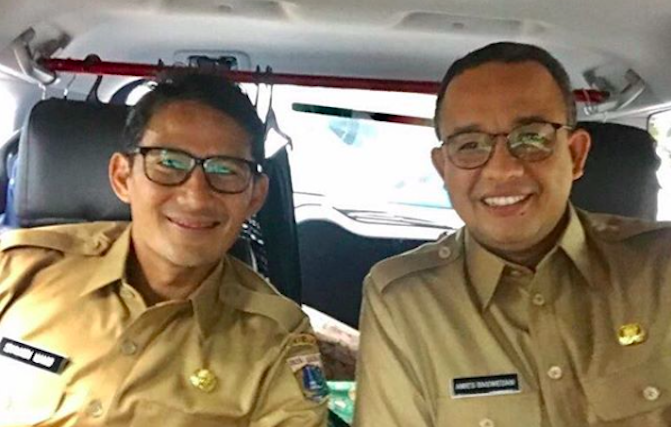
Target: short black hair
[(212, 90), (510, 53)]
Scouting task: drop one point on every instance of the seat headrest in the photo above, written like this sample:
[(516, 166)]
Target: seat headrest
[(621, 172), (63, 159)]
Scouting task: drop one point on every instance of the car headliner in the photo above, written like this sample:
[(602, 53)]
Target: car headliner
[(370, 38)]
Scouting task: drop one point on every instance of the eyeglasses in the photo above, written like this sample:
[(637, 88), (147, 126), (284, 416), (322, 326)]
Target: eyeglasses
[(531, 142), (172, 167)]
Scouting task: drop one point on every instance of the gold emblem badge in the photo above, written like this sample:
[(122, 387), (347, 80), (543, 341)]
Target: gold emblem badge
[(204, 380), (631, 334), (307, 340)]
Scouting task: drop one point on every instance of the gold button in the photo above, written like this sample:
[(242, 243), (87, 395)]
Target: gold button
[(538, 300), (631, 334), (128, 348), (95, 408), (204, 380), (486, 422), (555, 373), (444, 252), (651, 393), (515, 272)]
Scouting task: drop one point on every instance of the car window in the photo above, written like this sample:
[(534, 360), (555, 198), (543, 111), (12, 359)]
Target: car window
[(374, 170)]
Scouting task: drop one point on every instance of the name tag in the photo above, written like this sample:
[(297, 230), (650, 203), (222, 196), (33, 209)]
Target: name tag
[(485, 386), (32, 356)]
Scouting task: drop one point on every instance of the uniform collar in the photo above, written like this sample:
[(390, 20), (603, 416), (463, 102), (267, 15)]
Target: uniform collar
[(111, 266), (573, 243), (206, 299), (484, 269)]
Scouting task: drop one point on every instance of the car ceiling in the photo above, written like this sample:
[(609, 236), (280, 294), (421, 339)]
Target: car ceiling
[(364, 38)]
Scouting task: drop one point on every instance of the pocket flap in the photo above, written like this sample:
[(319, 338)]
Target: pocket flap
[(522, 409), (631, 392)]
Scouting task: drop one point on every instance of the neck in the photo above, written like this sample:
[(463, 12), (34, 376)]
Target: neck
[(165, 282), (532, 256)]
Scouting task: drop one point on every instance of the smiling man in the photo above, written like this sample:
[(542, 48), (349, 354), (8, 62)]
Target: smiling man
[(151, 323), (535, 313)]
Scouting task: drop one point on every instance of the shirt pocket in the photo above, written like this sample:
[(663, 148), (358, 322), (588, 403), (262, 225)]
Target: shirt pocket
[(148, 413), (519, 409), (28, 395), (641, 391)]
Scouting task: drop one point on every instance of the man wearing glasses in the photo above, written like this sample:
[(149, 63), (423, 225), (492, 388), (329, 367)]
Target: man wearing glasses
[(535, 313), (158, 326)]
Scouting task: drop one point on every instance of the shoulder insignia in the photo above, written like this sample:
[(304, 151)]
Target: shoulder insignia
[(424, 257), (309, 373), (85, 239), (305, 362)]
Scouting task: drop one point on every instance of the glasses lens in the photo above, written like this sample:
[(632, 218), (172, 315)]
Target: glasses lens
[(167, 166), (469, 150), (532, 142), (228, 175)]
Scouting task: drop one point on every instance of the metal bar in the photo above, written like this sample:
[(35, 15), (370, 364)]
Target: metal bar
[(103, 68)]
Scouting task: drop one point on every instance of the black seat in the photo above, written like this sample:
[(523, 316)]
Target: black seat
[(61, 175), (621, 172)]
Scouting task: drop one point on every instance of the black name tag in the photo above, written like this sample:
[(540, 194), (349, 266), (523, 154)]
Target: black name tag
[(485, 386), (32, 356)]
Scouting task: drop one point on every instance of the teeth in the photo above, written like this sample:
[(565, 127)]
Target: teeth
[(503, 201), (195, 224)]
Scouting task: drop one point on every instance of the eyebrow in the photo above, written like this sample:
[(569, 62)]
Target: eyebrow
[(531, 119), (464, 129), (520, 121)]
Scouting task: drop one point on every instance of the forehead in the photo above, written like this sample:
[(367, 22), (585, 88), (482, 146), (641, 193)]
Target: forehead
[(197, 127), (497, 95)]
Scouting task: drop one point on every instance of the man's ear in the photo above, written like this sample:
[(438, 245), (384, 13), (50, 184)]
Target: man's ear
[(120, 168), (438, 160), (579, 144), (259, 194)]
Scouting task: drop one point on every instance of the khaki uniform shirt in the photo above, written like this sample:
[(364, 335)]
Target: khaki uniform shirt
[(236, 353), (452, 335)]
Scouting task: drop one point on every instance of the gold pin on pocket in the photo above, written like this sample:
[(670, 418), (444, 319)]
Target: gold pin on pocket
[(631, 334), (204, 380)]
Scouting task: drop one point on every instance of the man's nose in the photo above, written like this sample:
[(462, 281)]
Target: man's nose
[(195, 191), (502, 164)]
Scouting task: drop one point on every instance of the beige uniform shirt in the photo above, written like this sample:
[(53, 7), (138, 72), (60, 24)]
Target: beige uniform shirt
[(236, 353), (452, 335)]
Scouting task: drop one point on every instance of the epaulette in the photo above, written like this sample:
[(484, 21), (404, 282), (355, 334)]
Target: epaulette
[(424, 257), (618, 228), (84, 239), (257, 295)]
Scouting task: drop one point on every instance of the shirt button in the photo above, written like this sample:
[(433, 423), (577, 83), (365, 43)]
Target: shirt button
[(515, 272), (95, 408), (538, 300), (486, 422), (444, 252), (555, 373), (651, 393), (128, 348)]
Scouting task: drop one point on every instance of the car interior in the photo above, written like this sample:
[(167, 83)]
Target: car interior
[(60, 121)]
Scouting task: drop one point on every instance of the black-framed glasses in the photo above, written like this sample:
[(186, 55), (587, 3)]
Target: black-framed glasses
[(530, 142), (173, 167)]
